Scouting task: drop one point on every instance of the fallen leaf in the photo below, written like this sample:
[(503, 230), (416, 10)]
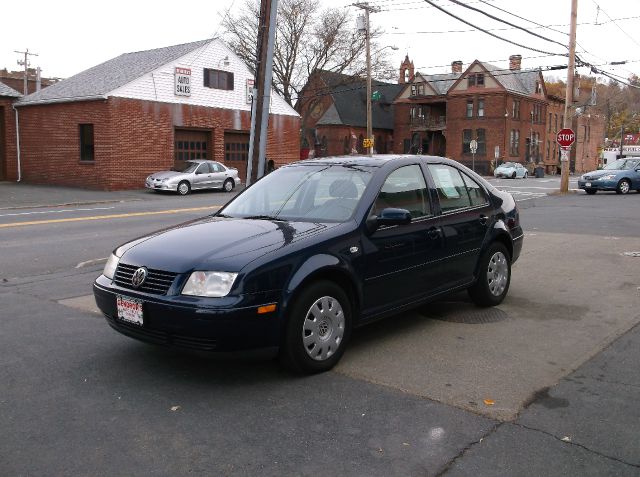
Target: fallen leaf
[(566, 439), (175, 408), (489, 402)]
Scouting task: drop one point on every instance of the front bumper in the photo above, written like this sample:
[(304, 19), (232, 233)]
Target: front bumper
[(194, 323), (160, 186), (598, 184)]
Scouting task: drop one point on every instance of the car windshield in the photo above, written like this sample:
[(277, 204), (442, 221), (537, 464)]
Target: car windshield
[(185, 166), (306, 193), (622, 164)]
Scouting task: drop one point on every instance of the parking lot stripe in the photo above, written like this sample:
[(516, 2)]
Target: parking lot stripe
[(106, 217)]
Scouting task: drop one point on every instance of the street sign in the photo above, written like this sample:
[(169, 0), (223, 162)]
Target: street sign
[(565, 137), (564, 154), (367, 142), (473, 145)]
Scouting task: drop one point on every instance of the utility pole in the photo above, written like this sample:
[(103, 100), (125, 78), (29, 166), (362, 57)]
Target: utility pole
[(262, 98), (564, 170), (25, 62), (621, 139), (367, 9)]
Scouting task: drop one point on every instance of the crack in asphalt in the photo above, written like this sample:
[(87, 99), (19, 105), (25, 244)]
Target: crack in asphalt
[(469, 446), (588, 449)]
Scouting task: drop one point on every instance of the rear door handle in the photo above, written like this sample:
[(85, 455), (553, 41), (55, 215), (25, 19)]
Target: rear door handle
[(483, 219), (434, 233)]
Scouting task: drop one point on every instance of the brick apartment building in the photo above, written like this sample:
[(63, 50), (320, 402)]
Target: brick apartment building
[(333, 108), (112, 125), (504, 110)]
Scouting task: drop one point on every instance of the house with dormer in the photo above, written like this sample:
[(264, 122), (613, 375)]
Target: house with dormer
[(112, 125)]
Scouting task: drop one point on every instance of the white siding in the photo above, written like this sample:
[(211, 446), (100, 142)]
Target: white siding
[(159, 84)]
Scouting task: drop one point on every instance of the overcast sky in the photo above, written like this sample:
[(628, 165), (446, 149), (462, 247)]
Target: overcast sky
[(71, 36)]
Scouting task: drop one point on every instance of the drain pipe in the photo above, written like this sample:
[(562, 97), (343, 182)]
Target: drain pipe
[(18, 143)]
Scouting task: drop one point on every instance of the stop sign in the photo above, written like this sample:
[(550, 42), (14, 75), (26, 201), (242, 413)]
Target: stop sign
[(565, 137)]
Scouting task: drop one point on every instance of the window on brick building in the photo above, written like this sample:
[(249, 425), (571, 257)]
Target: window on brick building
[(467, 136), (470, 108), (218, 79), (556, 126), (475, 79), (87, 152), (549, 122), (548, 149), (481, 137), (481, 108), (514, 143), (515, 109)]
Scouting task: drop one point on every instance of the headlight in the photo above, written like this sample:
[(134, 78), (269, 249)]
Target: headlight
[(212, 284), (608, 177), (110, 267)]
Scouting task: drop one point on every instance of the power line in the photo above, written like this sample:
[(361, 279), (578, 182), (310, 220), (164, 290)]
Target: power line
[(615, 23), (430, 2)]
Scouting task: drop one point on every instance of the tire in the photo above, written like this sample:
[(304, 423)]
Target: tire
[(526, 174), (184, 188), (317, 330), (513, 176), (494, 276), (228, 185), (623, 186), (591, 191)]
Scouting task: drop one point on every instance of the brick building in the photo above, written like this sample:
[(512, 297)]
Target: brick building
[(504, 110), (7, 132), (333, 108), (112, 125), (15, 80)]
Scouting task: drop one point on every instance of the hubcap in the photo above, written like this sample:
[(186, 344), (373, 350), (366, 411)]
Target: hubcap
[(228, 186), (183, 188), (624, 187), (497, 273), (323, 328)]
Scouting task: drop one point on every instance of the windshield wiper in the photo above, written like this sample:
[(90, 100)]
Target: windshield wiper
[(262, 217)]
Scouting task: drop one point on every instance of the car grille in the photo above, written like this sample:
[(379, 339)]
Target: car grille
[(162, 337), (158, 282)]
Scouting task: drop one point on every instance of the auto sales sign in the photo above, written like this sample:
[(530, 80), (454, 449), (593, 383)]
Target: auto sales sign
[(182, 81)]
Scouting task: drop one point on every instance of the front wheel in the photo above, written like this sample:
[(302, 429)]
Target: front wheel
[(228, 185), (513, 176), (526, 174), (494, 276), (184, 188), (317, 330), (623, 187)]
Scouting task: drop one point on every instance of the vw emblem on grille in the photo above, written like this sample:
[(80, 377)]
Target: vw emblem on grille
[(139, 276)]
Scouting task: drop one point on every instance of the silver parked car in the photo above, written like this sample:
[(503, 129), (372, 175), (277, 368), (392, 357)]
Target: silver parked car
[(511, 170), (198, 174)]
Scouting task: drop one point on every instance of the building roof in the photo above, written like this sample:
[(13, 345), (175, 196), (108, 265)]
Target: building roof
[(516, 81), (8, 91), (350, 101), (98, 81), (441, 82)]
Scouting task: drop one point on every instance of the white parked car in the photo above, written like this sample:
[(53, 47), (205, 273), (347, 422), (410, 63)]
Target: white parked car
[(511, 170), (198, 174)]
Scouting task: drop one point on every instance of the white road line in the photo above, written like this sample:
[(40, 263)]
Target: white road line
[(55, 211), (91, 262)]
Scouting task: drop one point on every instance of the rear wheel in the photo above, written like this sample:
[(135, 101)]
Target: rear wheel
[(623, 187), (591, 191), (184, 188), (494, 276), (317, 330), (513, 176), (526, 174)]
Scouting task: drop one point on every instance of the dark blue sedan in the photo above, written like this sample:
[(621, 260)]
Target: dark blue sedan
[(312, 250), (621, 176)]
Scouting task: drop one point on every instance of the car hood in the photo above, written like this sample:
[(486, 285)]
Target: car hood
[(166, 174), (600, 173), (214, 243)]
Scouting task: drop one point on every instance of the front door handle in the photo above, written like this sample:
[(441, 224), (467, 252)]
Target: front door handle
[(483, 219)]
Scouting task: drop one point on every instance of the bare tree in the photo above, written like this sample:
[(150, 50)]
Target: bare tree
[(308, 38)]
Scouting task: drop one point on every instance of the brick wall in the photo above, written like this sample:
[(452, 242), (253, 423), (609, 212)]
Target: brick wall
[(8, 169), (132, 139)]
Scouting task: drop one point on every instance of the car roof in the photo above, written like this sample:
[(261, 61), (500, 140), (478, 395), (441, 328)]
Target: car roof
[(378, 160)]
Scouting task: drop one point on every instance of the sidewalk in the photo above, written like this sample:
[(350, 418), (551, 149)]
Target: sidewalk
[(17, 195)]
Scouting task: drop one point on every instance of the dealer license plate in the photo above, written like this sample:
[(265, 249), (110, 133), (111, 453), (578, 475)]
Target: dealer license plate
[(129, 310), (588, 184)]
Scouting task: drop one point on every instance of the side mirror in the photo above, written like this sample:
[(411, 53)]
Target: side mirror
[(389, 216)]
